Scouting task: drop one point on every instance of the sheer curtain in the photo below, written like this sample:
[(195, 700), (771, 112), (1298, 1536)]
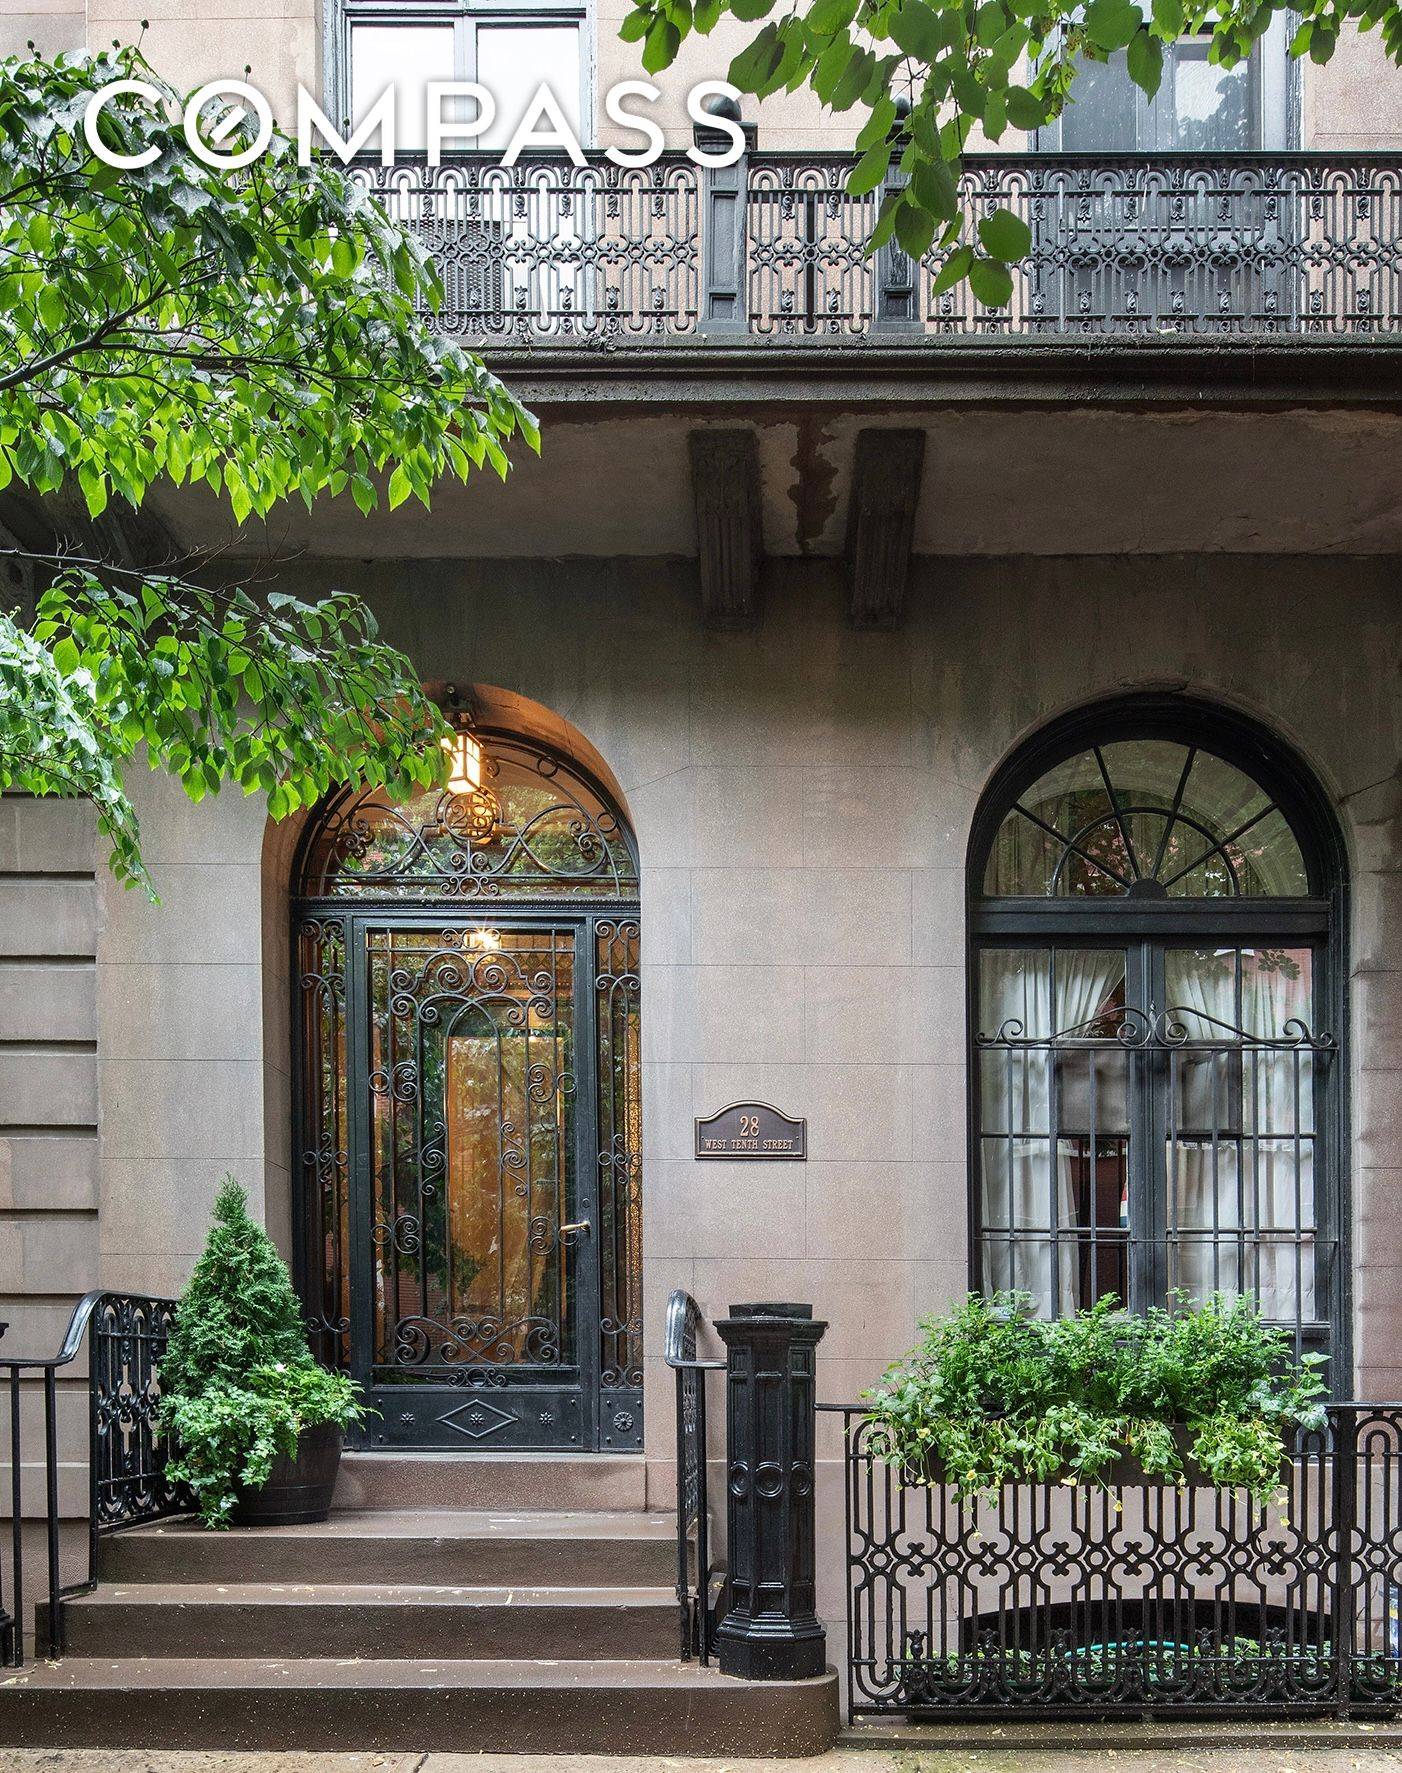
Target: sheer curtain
[(1025, 1172), (1251, 1189)]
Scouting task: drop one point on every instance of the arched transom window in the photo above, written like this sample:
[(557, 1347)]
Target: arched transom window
[(1156, 1007)]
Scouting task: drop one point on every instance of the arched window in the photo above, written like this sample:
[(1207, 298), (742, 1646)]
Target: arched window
[(468, 1086), (1156, 999)]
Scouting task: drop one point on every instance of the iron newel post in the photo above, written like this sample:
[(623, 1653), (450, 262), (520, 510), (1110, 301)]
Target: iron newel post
[(771, 1631)]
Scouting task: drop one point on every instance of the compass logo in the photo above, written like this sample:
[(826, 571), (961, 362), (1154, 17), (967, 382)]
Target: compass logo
[(228, 124)]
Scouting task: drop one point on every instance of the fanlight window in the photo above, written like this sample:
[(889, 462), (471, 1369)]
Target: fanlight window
[(1145, 818), (536, 828)]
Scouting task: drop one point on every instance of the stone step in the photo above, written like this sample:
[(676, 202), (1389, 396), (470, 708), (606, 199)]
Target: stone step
[(439, 1548), (553, 1481), (382, 1706), (191, 1619)]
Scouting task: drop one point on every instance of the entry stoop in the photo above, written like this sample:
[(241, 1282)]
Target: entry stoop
[(414, 1628)]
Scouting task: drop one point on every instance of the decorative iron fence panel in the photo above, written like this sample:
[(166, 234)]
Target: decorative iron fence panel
[(549, 250), (125, 1335), (129, 1482), (1128, 1597), (1298, 244)]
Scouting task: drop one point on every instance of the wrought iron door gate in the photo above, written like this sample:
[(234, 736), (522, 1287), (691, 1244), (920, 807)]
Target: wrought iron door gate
[(468, 1189), (469, 1237), (473, 1271)]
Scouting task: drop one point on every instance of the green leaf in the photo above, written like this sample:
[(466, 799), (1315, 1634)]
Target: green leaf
[(870, 170), (1025, 109), (52, 309), (663, 42), (1145, 62), (991, 282), (916, 29), (915, 230), (1168, 19), (751, 67), (935, 189), (827, 16), (1322, 44), (1005, 236), (954, 269), (1111, 23)]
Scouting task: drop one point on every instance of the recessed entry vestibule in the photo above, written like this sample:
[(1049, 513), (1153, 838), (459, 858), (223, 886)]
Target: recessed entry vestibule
[(467, 1227)]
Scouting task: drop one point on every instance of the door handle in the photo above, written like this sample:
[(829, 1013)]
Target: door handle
[(576, 1225)]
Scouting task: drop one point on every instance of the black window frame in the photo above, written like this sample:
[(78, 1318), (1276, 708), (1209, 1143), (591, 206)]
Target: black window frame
[(1143, 926)]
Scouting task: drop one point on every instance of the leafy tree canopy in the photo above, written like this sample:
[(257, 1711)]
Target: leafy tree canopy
[(259, 332), (926, 73)]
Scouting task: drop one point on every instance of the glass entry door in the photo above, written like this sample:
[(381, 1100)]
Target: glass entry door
[(474, 1286)]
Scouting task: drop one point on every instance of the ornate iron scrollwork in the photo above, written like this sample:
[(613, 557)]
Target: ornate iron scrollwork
[(1122, 244), (555, 836)]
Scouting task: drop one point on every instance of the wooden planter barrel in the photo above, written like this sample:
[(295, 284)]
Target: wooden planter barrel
[(298, 1489)]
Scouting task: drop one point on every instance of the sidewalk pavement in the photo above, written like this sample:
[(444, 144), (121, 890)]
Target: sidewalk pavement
[(1286, 1758)]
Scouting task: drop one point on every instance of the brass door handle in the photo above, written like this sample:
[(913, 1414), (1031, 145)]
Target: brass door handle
[(576, 1225)]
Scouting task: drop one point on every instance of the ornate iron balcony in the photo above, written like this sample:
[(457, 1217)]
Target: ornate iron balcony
[(770, 251)]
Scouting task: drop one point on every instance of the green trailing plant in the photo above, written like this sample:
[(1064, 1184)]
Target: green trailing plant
[(994, 1395), (238, 1381)]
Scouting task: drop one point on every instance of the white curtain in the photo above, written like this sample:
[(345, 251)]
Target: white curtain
[(1023, 1175), (1257, 1177)]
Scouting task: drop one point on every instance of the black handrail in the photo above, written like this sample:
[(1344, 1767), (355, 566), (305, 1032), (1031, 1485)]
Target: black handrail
[(126, 1333), (684, 1321)]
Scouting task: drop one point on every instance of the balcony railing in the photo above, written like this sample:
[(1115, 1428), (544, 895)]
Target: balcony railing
[(1302, 245)]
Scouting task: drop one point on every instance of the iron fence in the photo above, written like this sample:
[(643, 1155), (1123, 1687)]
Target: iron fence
[(1296, 245), (125, 1336), (1131, 1596)]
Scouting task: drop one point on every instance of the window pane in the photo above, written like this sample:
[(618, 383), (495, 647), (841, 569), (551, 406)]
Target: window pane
[(1052, 1080), (1212, 105), (1102, 110), (513, 61), (1173, 820), (405, 57)]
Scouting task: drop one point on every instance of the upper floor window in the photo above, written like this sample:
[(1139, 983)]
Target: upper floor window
[(511, 47), (1200, 108), (1157, 1001)]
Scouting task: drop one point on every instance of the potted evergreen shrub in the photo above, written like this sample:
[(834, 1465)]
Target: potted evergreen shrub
[(256, 1423), (994, 1395)]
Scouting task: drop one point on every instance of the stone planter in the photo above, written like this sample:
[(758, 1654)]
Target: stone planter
[(298, 1489)]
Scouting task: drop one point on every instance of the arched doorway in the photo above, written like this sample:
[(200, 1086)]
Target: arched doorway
[(1157, 1004), (467, 1160)]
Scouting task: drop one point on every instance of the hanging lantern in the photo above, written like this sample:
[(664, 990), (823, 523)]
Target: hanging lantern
[(470, 807), (465, 773)]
